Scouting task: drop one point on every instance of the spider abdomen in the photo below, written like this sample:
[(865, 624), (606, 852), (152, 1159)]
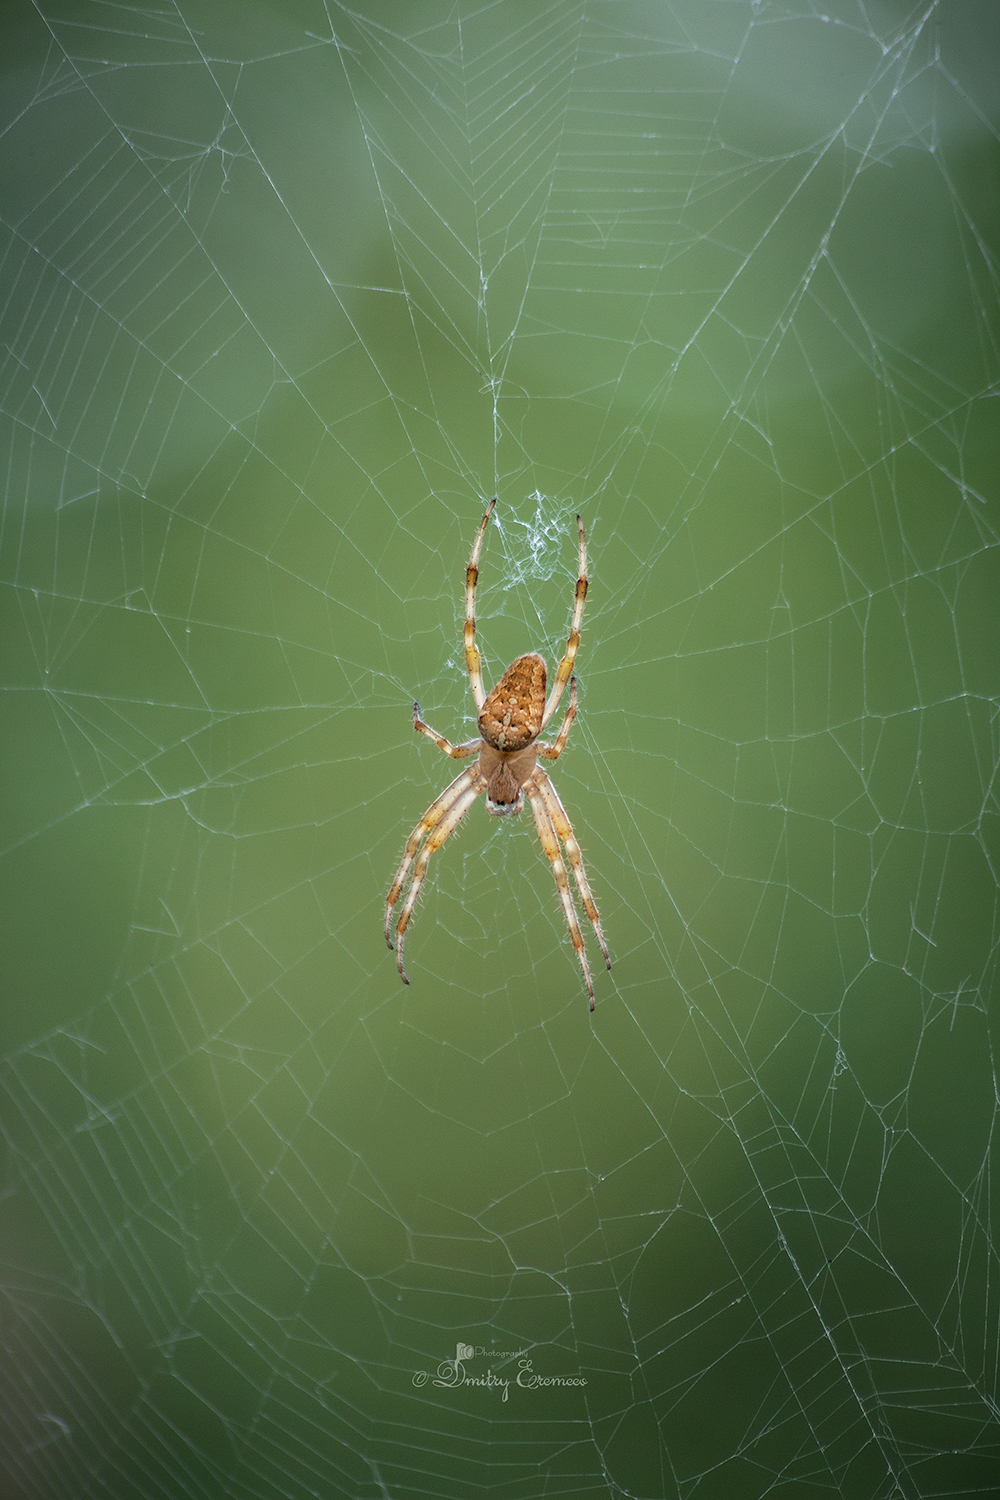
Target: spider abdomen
[(511, 717)]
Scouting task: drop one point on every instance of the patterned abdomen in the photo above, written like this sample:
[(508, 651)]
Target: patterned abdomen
[(511, 717)]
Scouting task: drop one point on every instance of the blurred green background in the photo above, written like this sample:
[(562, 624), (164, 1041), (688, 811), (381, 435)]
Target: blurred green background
[(288, 292)]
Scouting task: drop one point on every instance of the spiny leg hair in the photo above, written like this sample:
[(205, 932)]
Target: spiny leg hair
[(472, 658), (430, 820), (565, 668), (550, 843), (553, 752), (564, 828)]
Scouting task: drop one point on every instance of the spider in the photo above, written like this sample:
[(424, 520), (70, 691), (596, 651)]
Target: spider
[(511, 718)]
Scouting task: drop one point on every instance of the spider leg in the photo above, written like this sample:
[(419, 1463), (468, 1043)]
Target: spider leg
[(565, 668), (553, 752), (550, 843), (449, 749), (564, 828), (472, 658), (445, 824), (431, 818)]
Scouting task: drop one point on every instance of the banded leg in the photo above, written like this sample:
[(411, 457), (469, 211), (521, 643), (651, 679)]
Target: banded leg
[(565, 668), (553, 752), (446, 825), (430, 820), (458, 751), (550, 843), (472, 658), (564, 829)]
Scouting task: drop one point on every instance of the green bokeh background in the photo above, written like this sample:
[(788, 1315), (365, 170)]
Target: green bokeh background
[(288, 292)]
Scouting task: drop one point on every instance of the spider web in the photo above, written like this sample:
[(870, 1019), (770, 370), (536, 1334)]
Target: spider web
[(289, 290)]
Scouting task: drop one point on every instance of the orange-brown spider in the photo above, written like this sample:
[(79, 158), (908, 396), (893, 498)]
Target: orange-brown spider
[(510, 720)]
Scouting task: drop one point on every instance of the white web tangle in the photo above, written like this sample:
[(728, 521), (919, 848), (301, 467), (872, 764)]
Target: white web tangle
[(288, 293)]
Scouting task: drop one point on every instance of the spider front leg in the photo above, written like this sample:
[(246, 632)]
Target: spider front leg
[(564, 828), (439, 822), (550, 843), (431, 818)]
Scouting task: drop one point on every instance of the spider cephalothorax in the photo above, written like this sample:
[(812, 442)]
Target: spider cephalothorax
[(511, 718)]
